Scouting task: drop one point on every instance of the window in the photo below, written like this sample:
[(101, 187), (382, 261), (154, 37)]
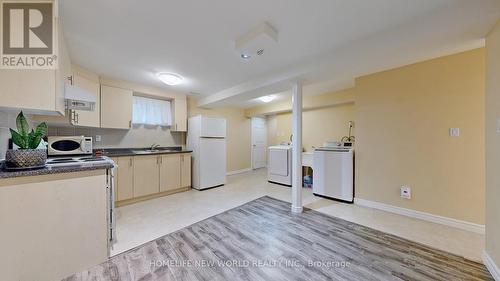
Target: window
[(148, 111)]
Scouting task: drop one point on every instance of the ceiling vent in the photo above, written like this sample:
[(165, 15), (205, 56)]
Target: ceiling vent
[(261, 38)]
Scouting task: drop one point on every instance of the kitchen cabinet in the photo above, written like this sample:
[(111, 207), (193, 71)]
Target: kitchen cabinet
[(39, 91), (146, 175), (58, 220), (186, 170), (124, 178), (170, 172), (143, 177), (116, 107), (86, 118), (180, 115)]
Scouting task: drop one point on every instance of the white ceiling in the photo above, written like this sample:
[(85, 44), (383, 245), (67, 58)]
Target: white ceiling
[(329, 42)]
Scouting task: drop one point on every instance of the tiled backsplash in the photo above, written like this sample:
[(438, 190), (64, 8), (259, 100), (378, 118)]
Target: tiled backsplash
[(138, 136)]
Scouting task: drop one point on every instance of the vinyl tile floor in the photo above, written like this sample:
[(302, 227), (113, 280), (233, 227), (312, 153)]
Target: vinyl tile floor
[(148, 220), (263, 240)]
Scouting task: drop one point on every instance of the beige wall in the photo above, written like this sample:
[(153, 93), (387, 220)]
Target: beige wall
[(493, 144), (238, 133), (319, 125), (403, 118)]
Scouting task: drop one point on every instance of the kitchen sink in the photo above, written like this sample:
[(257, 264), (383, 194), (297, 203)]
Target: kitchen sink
[(146, 151)]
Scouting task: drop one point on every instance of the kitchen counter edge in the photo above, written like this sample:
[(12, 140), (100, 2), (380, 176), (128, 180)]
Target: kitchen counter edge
[(53, 170), (123, 154)]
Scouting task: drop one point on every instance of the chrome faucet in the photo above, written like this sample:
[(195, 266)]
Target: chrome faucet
[(154, 146)]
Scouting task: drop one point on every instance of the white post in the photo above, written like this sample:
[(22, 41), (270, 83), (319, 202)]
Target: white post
[(297, 148)]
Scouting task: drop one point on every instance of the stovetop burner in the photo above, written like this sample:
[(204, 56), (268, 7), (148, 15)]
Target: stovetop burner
[(66, 161)]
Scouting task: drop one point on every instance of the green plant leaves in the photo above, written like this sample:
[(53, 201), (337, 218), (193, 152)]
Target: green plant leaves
[(35, 137), (22, 124), (41, 129), (25, 139), (18, 139)]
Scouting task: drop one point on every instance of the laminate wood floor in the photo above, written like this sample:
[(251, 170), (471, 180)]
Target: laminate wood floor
[(263, 240)]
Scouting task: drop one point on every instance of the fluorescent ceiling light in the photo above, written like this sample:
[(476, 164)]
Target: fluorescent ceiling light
[(171, 79), (267, 98)]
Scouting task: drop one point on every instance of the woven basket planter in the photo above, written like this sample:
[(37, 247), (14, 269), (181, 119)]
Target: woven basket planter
[(25, 158)]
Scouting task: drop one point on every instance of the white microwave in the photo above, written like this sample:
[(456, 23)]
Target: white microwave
[(74, 145)]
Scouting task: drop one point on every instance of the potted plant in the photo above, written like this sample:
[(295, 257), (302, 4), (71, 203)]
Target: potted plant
[(27, 156)]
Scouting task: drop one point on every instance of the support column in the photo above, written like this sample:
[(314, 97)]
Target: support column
[(297, 148)]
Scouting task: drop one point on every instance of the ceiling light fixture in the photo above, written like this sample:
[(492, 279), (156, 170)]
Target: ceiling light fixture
[(245, 56), (267, 98), (171, 79)]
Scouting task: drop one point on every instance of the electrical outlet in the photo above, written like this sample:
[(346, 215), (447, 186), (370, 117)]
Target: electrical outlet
[(405, 192), (98, 138), (454, 132)]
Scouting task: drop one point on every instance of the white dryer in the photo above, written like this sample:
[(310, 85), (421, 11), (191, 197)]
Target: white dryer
[(279, 168)]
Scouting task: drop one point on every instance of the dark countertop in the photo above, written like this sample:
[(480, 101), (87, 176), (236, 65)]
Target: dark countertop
[(117, 152), (53, 170)]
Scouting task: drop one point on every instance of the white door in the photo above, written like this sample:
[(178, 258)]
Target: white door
[(212, 164), (259, 142)]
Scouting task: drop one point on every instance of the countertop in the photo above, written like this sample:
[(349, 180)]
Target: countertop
[(54, 170), (109, 152), (117, 152)]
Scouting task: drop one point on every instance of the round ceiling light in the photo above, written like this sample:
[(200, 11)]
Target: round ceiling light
[(267, 99), (245, 56), (171, 79)]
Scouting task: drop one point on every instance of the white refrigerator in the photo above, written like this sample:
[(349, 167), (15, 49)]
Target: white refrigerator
[(207, 139)]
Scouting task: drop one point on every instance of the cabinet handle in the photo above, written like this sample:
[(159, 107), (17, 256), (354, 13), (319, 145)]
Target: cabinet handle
[(130, 124), (130, 162), (77, 117)]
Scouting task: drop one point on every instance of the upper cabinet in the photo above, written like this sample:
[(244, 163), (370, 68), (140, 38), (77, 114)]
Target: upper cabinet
[(81, 117), (180, 115), (36, 91), (116, 107)]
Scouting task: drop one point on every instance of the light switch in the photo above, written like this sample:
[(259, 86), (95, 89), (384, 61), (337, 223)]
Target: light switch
[(454, 132), (98, 138)]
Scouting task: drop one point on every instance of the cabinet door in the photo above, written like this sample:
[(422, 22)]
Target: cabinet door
[(30, 90), (116, 107), (180, 115), (186, 170), (146, 175), (82, 117), (170, 172), (124, 178)]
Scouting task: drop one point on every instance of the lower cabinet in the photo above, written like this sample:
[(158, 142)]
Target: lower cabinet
[(124, 177), (146, 175), (170, 172), (186, 170), (142, 177)]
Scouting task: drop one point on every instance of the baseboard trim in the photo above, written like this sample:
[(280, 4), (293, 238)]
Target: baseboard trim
[(469, 226), (238, 171), (491, 266)]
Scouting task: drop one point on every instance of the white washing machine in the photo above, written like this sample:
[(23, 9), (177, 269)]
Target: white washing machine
[(334, 173), (279, 168)]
